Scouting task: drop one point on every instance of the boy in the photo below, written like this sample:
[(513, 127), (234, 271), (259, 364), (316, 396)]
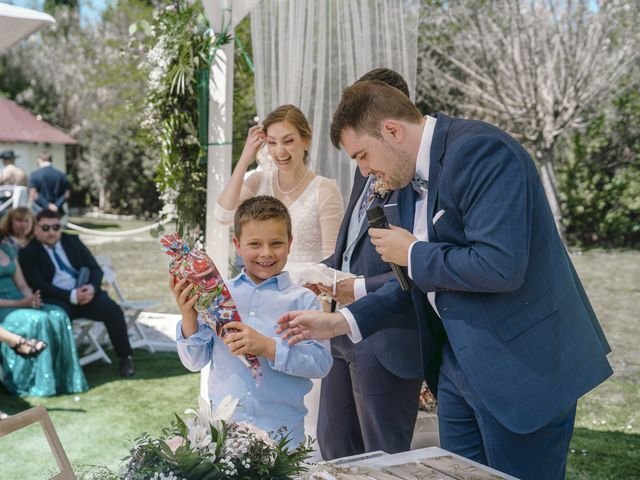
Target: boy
[(262, 293)]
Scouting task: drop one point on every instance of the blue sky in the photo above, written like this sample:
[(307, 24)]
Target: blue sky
[(89, 9)]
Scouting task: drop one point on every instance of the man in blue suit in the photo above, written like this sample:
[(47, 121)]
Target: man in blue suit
[(369, 400), (48, 186), (519, 341)]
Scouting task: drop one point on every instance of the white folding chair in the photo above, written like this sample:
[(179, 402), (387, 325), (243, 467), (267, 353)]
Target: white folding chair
[(39, 415), (88, 334), (131, 308)]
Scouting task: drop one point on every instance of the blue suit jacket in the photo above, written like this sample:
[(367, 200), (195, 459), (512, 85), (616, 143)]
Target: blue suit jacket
[(397, 348), (514, 310), (51, 185)]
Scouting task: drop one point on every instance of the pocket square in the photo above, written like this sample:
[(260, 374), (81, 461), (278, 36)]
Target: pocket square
[(437, 216)]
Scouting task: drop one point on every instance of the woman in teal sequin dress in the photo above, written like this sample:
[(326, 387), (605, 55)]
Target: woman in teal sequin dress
[(56, 369)]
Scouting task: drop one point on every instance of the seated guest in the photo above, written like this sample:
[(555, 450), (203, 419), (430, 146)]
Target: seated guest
[(16, 227), (29, 368), (51, 262), (25, 347)]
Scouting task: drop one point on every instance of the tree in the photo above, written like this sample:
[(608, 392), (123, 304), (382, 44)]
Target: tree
[(86, 80), (533, 68), (600, 175)]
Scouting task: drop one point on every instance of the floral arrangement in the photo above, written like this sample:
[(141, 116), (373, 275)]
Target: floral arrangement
[(208, 446), (178, 44), (427, 401), (380, 188)]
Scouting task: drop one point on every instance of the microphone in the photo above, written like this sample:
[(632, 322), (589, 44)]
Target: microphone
[(377, 219)]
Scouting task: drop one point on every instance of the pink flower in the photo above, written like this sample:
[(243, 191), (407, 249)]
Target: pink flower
[(174, 443)]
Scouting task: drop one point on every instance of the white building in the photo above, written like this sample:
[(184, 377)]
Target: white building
[(27, 136)]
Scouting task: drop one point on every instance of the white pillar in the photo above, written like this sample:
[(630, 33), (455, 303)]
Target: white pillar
[(219, 154), (219, 159)]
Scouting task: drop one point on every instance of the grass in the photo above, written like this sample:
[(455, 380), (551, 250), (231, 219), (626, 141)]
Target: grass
[(97, 427)]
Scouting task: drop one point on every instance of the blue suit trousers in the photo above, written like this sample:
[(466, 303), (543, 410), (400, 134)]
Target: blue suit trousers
[(468, 429)]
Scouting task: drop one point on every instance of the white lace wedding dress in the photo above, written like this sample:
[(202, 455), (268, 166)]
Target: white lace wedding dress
[(315, 220)]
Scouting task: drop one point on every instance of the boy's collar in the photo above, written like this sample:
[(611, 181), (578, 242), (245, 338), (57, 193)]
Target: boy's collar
[(283, 279)]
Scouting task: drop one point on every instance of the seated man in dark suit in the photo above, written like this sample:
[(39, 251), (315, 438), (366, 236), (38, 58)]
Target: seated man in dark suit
[(50, 263), (48, 186)]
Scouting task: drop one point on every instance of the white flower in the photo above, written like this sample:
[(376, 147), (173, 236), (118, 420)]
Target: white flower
[(198, 434), (199, 426)]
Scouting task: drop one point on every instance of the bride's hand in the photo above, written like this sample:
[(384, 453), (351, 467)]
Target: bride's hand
[(255, 139)]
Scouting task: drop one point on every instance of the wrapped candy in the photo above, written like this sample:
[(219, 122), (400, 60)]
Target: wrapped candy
[(215, 305)]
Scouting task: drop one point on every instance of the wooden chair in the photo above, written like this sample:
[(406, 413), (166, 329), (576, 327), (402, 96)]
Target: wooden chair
[(39, 415)]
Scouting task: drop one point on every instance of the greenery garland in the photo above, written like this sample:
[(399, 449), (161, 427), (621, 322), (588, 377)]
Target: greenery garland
[(180, 47)]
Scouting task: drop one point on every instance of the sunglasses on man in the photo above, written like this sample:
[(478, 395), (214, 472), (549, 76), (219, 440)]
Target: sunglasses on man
[(46, 227)]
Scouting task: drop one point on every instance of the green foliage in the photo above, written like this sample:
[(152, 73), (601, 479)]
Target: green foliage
[(85, 79), (180, 44), (234, 451), (600, 178)]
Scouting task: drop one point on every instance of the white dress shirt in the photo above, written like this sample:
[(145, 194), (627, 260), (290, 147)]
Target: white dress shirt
[(420, 231), (62, 279)]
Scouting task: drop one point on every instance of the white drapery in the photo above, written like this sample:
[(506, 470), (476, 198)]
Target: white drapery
[(307, 51)]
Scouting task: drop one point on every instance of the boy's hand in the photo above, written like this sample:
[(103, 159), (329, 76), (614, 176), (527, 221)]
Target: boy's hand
[(247, 341), (181, 291)]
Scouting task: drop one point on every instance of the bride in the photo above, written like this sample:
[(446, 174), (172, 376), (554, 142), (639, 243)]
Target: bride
[(314, 202)]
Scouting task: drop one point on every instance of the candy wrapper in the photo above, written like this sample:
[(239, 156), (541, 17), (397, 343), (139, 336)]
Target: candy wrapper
[(215, 305)]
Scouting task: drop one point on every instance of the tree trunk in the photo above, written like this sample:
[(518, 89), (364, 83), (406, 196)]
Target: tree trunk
[(101, 199), (550, 184)]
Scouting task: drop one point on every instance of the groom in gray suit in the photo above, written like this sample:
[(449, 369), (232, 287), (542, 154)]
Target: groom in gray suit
[(369, 400)]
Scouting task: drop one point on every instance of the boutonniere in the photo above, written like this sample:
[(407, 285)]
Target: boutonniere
[(380, 188)]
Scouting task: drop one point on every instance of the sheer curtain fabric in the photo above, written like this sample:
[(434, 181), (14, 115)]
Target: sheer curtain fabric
[(307, 51)]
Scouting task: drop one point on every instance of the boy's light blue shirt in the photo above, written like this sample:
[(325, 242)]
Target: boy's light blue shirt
[(278, 399)]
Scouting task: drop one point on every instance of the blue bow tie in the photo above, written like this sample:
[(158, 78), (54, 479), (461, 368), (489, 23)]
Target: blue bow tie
[(419, 184)]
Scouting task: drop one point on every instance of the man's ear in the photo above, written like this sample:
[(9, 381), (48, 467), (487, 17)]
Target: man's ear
[(236, 243), (392, 131)]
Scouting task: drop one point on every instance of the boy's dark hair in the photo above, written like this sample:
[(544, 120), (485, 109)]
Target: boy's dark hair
[(262, 207), (47, 214), (390, 77), (365, 105)]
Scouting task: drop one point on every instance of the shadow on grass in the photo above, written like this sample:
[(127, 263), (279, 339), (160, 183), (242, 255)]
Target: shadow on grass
[(147, 366), (97, 226), (603, 455), (10, 404)]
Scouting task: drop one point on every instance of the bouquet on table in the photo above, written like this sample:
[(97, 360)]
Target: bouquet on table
[(207, 446), (215, 305)]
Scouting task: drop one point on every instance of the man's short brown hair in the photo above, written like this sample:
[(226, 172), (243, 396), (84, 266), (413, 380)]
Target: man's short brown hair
[(44, 156), (262, 207), (388, 76), (365, 105)]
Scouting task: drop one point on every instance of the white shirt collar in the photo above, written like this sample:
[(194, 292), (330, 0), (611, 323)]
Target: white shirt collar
[(424, 152)]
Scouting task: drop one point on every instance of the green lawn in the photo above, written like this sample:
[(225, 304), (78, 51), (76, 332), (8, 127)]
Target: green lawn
[(95, 427)]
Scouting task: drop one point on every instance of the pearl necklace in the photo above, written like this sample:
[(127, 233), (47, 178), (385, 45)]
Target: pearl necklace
[(294, 188)]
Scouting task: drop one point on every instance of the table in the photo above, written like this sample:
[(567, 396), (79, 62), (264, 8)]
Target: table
[(382, 459)]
